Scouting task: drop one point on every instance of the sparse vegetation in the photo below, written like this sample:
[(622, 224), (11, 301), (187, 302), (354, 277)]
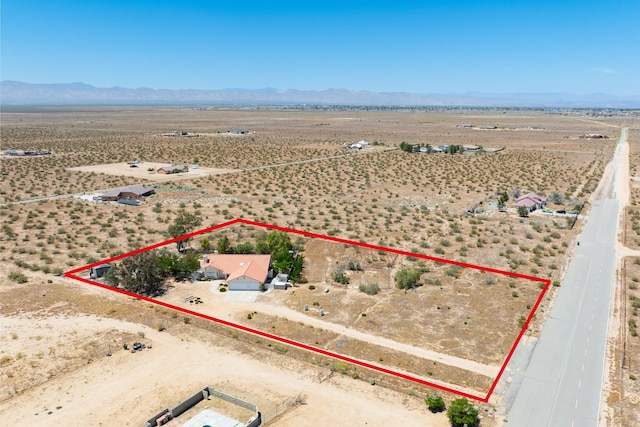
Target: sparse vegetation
[(18, 277), (373, 196), (369, 289)]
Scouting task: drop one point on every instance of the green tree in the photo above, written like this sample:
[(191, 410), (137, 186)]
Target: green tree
[(461, 413), (502, 200), (278, 241), (523, 211), (434, 402), (140, 274), (453, 149), (288, 261), (407, 278), (183, 224), (262, 247), (224, 246), (179, 267), (168, 263), (295, 272), (405, 146), (205, 245), (339, 276), (245, 248), (369, 289), (187, 264)]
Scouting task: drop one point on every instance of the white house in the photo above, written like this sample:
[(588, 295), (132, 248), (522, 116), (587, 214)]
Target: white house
[(241, 272)]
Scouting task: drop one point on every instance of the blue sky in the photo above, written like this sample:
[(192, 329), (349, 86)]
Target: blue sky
[(504, 46)]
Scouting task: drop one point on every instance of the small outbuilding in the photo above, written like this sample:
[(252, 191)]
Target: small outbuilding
[(99, 271), (281, 281)]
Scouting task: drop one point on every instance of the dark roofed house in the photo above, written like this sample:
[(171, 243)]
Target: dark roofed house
[(531, 201), (132, 192)]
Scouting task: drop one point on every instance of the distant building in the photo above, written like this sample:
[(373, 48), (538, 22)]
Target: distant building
[(173, 169), (132, 192), (469, 147), (22, 153)]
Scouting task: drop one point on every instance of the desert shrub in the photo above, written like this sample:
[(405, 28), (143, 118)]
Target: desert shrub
[(462, 413), (435, 282), (521, 321), (453, 271), (339, 276), (17, 277), (434, 402), (370, 289), (407, 278), (354, 266), (280, 348)]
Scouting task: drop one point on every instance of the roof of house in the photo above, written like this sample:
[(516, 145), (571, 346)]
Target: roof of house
[(238, 265), (139, 190), (530, 199), (174, 167)]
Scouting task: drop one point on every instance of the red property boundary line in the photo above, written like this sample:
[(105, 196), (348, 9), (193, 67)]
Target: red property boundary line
[(72, 275)]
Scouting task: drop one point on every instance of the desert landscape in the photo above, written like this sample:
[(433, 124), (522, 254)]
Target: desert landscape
[(296, 168)]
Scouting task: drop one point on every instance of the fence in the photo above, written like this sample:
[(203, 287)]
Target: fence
[(168, 414), (281, 408)]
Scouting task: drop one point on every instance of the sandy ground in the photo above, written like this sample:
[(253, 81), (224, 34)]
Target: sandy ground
[(126, 389), (219, 305), (141, 172)]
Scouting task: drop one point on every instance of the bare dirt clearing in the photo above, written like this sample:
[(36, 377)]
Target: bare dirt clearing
[(55, 368), (142, 172)]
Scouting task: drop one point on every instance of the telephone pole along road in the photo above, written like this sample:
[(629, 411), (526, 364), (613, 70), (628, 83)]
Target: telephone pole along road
[(563, 381)]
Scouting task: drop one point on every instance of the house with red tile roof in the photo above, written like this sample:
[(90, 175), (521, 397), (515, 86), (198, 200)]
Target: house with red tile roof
[(531, 201), (241, 272)]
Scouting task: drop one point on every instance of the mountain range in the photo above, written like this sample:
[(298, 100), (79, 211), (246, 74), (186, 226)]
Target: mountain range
[(20, 93)]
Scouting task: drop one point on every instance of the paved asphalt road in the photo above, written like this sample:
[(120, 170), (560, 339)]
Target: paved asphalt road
[(563, 381)]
